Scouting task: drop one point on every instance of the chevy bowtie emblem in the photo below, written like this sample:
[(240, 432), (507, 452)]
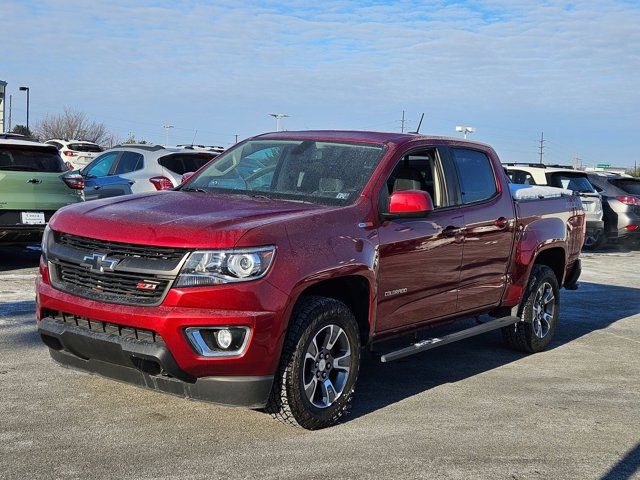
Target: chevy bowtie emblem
[(98, 262)]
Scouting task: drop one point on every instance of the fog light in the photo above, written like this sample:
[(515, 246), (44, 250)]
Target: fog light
[(223, 341), (224, 338)]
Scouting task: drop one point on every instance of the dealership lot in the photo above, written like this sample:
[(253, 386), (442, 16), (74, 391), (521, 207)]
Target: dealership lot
[(471, 409)]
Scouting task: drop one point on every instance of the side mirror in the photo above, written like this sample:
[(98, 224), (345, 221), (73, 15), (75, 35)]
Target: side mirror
[(409, 203), (186, 177)]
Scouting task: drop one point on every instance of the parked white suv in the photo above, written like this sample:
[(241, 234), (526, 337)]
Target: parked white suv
[(76, 153), (134, 168), (569, 179)]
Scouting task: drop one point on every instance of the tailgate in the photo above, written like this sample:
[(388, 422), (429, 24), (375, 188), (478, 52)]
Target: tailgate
[(35, 191)]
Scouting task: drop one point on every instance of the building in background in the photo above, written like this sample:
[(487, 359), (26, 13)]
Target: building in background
[(3, 106)]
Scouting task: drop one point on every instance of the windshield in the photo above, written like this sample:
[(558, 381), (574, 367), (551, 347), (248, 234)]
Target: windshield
[(631, 186), (305, 170), (30, 159), (572, 181)]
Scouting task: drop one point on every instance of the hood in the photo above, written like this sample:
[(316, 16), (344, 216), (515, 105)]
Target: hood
[(175, 218)]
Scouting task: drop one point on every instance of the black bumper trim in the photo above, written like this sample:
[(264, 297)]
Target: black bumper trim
[(147, 365)]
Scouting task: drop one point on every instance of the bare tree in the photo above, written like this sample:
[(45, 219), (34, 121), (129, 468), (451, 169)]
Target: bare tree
[(72, 124)]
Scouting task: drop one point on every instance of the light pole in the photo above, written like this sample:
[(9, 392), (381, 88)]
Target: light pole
[(26, 89), (166, 134), (464, 129), (278, 116)]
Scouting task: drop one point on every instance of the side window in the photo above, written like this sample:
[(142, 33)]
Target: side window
[(419, 170), (129, 162), (475, 174), (520, 177), (101, 166)]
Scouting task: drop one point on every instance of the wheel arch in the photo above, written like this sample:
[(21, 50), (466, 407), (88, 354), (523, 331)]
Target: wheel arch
[(353, 290)]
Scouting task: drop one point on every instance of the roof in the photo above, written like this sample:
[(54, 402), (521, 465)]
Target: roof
[(24, 143), (70, 141), (542, 166), (361, 136)]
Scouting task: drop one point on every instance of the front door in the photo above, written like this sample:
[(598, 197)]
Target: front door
[(419, 258)]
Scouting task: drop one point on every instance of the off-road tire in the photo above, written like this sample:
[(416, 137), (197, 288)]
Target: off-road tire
[(288, 402), (521, 336)]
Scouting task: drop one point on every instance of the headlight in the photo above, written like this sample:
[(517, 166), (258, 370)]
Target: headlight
[(214, 267), (45, 241)]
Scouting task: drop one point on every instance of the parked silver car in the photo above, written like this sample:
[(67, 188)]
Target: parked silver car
[(128, 169), (621, 201)]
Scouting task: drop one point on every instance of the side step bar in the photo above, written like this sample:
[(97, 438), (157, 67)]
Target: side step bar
[(430, 343)]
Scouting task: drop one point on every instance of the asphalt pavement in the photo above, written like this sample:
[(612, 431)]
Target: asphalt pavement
[(472, 409)]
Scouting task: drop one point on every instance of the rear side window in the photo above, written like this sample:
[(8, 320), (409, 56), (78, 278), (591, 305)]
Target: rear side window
[(84, 147), (129, 162), (520, 177), (629, 186), (31, 159), (571, 181), (475, 173), (182, 164)]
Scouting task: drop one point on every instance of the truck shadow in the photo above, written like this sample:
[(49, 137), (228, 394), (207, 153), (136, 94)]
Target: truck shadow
[(592, 307), (17, 258)]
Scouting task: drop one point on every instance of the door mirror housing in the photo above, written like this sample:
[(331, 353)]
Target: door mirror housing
[(409, 203), (186, 177)]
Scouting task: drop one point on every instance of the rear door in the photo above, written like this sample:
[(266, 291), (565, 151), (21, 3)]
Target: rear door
[(489, 215)]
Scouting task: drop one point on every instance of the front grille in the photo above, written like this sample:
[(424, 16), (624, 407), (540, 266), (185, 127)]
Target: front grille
[(99, 326), (119, 250), (112, 287)]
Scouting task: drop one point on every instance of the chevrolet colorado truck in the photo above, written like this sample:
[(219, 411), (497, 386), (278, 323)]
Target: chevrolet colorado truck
[(263, 277)]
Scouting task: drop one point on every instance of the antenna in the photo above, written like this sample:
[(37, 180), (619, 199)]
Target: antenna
[(194, 138), (419, 124)]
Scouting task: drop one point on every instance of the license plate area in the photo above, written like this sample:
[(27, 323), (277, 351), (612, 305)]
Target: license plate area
[(32, 218)]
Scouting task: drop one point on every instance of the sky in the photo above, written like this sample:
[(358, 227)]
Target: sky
[(511, 69)]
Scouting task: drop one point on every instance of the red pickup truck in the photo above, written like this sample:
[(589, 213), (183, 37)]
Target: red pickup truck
[(259, 281)]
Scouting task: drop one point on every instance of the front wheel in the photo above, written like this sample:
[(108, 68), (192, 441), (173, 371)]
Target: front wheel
[(319, 366), (538, 312)]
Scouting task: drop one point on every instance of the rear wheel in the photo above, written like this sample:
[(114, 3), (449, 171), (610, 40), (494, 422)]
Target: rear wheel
[(538, 311), (319, 365), (594, 240)]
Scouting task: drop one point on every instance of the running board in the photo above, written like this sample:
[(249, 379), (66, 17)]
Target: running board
[(430, 343)]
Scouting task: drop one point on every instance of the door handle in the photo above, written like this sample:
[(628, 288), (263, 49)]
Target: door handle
[(97, 187), (501, 223)]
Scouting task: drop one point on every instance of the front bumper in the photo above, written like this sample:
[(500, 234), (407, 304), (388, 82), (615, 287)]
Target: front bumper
[(147, 363)]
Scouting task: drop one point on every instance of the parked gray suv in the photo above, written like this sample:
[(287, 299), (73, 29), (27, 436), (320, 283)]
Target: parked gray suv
[(621, 205)]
